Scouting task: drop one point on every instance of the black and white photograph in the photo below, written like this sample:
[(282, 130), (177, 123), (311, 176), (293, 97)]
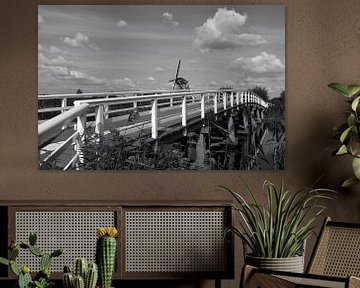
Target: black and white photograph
[(161, 87)]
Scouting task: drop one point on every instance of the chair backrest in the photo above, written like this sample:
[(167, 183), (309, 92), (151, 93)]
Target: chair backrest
[(337, 251)]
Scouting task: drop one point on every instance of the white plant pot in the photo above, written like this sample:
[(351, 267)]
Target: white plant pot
[(291, 264)]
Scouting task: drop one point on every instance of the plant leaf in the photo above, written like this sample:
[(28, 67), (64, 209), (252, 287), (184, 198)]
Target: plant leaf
[(355, 103), (351, 120), (349, 182), (353, 89), (4, 261), (356, 167), (340, 88), (342, 150), (345, 134)]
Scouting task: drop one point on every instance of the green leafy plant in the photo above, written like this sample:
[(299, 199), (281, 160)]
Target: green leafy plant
[(349, 132), (279, 229), (42, 278)]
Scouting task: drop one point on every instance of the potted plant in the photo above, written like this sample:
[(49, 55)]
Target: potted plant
[(42, 278), (276, 233), (349, 132)]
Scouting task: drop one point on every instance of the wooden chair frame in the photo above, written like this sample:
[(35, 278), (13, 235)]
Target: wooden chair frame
[(255, 277)]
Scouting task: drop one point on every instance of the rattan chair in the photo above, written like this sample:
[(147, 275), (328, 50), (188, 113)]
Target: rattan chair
[(334, 263)]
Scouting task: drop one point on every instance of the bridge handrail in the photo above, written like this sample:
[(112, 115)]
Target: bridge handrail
[(45, 128), (102, 94), (117, 100)]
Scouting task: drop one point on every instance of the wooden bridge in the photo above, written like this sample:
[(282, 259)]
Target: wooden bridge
[(151, 112)]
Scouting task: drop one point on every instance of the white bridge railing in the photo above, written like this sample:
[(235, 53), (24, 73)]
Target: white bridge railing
[(104, 111)]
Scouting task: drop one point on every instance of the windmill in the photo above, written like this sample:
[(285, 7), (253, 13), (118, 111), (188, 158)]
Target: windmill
[(179, 82)]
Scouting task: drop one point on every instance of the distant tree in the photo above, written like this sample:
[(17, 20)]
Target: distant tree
[(261, 91), (79, 91), (282, 95)]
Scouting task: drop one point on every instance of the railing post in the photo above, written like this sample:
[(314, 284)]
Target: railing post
[(202, 106), (81, 123), (154, 119), (63, 109), (183, 112), (99, 119), (171, 101), (63, 105), (232, 99), (224, 100), (106, 109), (238, 98), (216, 103)]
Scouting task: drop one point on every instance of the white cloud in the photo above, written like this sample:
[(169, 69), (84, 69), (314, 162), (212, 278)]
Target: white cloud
[(159, 69), (77, 74), (57, 61), (55, 50), (51, 49), (150, 78), (261, 64), (84, 78), (40, 19), (225, 30), (124, 83), (56, 71), (63, 72), (80, 40), (169, 18), (121, 24)]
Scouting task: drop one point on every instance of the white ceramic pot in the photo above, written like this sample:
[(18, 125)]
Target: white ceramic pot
[(291, 264)]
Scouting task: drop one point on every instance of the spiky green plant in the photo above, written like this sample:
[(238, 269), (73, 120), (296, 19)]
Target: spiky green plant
[(349, 132), (279, 229), (106, 254), (85, 273), (42, 278)]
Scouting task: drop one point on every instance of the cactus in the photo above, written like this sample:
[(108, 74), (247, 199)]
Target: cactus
[(32, 238), (57, 253), (24, 278), (80, 267), (14, 268), (105, 255), (45, 261), (4, 261), (13, 253), (36, 251), (68, 280), (79, 282), (88, 273), (44, 273), (91, 276)]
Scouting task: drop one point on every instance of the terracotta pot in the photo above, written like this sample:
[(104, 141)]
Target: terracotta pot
[(291, 264)]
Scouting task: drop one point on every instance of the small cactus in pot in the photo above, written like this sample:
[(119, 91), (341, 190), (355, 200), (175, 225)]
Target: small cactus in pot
[(106, 254), (85, 275), (42, 278)]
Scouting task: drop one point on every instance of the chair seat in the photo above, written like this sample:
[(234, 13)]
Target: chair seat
[(315, 282), (267, 279)]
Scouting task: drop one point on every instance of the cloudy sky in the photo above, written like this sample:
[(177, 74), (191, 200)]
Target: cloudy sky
[(125, 47)]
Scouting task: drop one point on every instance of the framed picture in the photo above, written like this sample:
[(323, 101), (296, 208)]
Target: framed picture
[(159, 87)]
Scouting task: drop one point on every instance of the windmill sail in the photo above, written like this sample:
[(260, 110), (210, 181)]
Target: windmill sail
[(179, 82)]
